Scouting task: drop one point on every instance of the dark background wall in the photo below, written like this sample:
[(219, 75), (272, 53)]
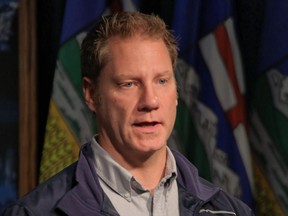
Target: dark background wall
[(9, 110)]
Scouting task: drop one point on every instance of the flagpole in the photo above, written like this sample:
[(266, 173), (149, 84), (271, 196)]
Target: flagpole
[(27, 96)]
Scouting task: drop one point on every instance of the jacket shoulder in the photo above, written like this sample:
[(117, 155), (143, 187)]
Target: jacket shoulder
[(45, 196), (214, 200)]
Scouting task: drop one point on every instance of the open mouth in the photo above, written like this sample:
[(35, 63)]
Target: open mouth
[(147, 127), (146, 124)]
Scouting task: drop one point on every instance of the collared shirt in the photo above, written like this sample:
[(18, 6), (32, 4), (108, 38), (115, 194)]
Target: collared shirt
[(128, 196)]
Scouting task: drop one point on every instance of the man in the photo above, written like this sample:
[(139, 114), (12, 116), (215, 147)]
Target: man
[(128, 63)]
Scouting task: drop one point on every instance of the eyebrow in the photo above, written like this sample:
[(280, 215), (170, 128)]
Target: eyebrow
[(131, 75)]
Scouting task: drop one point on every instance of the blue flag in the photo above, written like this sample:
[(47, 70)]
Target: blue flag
[(208, 44)]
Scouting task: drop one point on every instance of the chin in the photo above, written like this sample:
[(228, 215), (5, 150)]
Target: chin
[(152, 146)]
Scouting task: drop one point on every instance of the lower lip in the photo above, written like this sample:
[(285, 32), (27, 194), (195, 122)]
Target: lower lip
[(148, 129)]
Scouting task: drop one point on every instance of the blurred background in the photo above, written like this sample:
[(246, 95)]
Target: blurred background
[(232, 119)]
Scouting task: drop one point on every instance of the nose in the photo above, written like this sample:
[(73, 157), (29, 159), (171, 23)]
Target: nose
[(148, 99)]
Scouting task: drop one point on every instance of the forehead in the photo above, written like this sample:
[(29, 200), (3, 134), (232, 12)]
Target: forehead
[(139, 47), (136, 45), (137, 55)]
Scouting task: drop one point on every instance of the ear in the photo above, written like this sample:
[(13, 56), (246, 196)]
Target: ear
[(89, 93)]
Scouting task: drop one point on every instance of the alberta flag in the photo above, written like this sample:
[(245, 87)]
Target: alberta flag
[(269, 117), (211, 127), (70, 123)]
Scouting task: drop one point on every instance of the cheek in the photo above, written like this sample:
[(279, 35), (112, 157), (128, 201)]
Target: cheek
[(173, 97), (119, 107), (123, 102)]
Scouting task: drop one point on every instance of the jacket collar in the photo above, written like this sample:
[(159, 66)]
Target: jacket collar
[(189, 179), (193, 191), (87, 197)]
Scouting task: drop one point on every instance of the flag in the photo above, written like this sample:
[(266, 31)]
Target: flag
[(269, 112), (70, 123), (212, 95)]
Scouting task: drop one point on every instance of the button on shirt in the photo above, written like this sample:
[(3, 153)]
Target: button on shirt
[(128, 196)]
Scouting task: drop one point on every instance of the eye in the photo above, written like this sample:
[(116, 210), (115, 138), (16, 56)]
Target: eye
[(162, 81), (126, 84)]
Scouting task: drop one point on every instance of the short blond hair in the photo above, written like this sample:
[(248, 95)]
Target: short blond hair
[(94, 53)]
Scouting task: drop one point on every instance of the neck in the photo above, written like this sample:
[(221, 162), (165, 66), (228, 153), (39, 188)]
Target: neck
[(150, 173)]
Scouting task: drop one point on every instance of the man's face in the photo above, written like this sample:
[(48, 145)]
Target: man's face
[(136, 97)]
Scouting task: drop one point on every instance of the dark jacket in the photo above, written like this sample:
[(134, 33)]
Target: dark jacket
[(76, 191)]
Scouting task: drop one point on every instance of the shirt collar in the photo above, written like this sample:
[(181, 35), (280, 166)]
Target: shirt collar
[(118, 178)]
